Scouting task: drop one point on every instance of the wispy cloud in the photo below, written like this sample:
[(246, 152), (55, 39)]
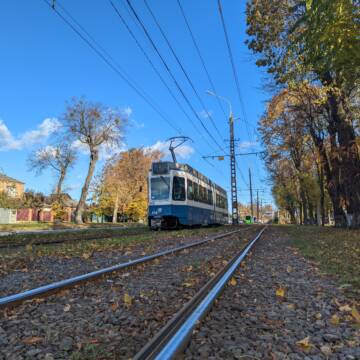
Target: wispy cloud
[(127, 111), (183, 151), (205, 114), (10, 142), (248, 144)]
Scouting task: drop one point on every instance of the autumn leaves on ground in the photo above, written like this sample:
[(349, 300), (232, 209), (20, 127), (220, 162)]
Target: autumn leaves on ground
[(301, 306)]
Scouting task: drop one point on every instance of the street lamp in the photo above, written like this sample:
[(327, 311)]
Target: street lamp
[(211, 93)]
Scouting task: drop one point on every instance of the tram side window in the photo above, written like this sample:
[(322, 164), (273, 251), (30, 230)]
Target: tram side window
[(210, 197), (190, 190), (196, 191), (220, 201), (179, 188)]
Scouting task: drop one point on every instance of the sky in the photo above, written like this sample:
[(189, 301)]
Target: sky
[(44, 64)]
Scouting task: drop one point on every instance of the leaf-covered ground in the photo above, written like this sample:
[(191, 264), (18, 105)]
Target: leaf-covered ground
[(280, 307), (113, 317), (337, 251), (34, 226), (67, 234), (31, 266)]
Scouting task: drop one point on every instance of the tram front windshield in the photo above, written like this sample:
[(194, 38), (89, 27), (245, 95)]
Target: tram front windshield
[(160, 188)]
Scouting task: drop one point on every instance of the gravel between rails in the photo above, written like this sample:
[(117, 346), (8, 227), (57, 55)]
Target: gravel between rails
[(113, 317), (43, 270), (250, 322)]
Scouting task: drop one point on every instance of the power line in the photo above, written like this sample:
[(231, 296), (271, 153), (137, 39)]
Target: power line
[(237, 83), (149, 60), (212, 86), (183, 70), (113, 66), (169, 70)]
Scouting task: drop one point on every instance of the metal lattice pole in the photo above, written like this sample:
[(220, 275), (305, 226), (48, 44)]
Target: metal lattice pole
[(234, 203), (251, 196)]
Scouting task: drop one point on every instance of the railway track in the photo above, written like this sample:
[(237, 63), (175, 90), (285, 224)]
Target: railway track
[(48, 289), (174, 336)]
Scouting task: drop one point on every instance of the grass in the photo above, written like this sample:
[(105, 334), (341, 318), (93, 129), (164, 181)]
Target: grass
[(337, 251), (31, 226), (82, 234), (85, 249)]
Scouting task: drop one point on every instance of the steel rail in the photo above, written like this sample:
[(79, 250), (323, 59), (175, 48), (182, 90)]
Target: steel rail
[(60, 285), (174, 336)]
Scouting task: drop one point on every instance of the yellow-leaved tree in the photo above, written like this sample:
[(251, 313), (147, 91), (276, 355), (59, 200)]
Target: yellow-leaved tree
[(124, 183)]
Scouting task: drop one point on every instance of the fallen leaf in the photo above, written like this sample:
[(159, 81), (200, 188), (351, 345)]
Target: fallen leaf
[(345, 308), (326, 350), (318, 316), (290, 306), (67, 307), (189, 269), (86, 255), (334, 320), (29, 247), (114, 306), (128, 300), (280, 292), (32, 340), (289, 269), (355, 314), (305, 343), (233, 282)]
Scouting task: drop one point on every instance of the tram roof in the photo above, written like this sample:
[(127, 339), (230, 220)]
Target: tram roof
[(163, 167)]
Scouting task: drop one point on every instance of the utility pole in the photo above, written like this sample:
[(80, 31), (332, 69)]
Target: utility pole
[(257, 205), (251, 194), (234, 202)]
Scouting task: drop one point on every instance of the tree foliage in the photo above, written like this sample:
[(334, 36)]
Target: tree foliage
[(122, 187), (311, 49)]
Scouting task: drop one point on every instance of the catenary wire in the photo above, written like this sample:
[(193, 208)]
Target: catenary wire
[(152, 65), (111, 65), (187, 76), (236, 78), (212, 86), (115, 68), (169, 70)]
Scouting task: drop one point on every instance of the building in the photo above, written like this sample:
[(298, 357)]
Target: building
[(12, 187)]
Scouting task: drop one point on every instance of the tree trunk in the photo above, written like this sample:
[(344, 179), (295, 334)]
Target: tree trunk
[(60, 182), (349, 157), (94, 155), (304, 206), (116, 208), (322, 194), (331, 168)]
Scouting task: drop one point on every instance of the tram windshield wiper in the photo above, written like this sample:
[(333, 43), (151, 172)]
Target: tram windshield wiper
[(164, 180)]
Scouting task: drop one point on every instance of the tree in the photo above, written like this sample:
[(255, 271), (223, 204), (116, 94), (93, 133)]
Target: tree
[(8, 202), (317, 41), (124, 180), (93, 126), (59, 158)]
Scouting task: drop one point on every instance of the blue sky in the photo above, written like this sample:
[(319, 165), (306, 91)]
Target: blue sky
[(44, 63)]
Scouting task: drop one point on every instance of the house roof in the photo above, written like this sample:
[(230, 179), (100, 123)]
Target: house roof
[(4, 177)]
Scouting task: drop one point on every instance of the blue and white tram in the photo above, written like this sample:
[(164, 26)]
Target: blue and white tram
[(180, 195)]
